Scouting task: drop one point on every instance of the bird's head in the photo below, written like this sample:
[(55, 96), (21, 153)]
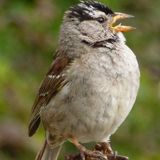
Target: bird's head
[(92, 21)]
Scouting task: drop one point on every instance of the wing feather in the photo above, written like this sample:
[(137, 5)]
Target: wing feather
[(53, 81)]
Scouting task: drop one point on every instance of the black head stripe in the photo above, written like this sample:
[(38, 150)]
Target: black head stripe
[(82, 10), (99, 6)]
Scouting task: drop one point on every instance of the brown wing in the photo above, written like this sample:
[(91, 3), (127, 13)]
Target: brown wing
[(52, 83)]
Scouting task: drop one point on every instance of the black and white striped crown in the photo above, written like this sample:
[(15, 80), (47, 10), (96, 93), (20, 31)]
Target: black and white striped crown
[(84, 9)]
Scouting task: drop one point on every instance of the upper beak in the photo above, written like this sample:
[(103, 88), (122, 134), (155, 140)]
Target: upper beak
[(120, 28)]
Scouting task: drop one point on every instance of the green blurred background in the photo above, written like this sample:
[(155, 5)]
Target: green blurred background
[(28, 39)]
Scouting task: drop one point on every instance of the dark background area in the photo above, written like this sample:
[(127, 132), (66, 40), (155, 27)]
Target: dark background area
[(28, 39)]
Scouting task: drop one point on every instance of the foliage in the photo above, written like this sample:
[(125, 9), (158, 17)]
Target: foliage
[(28, 39)]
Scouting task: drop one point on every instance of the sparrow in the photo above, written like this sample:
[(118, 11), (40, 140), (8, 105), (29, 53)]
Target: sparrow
[(92, 83)]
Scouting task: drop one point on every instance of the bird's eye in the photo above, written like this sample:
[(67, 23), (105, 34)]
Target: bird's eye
[(101, 19)]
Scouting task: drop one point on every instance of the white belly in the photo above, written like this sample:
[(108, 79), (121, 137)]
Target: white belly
[(97, 99)]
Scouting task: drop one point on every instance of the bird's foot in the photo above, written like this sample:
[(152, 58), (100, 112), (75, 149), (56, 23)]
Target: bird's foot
[(106, 149), (102, 151), (87, 155), (94, 155)]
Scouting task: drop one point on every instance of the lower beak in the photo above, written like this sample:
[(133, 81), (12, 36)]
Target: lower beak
[(120, 28)]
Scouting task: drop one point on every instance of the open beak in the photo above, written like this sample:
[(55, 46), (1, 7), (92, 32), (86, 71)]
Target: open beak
[(120, 28)]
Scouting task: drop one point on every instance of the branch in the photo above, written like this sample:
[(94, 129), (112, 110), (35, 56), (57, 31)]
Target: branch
[(101, 152)]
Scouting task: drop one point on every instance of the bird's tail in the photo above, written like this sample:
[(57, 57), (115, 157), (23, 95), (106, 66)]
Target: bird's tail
[(48, 153)]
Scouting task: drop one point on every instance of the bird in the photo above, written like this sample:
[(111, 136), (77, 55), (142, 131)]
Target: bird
[(92, 83)]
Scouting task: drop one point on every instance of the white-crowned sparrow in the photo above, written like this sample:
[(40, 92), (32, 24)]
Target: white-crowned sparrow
[(92, 83)]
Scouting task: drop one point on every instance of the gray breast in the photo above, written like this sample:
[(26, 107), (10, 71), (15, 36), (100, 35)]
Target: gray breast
[(101, 91)]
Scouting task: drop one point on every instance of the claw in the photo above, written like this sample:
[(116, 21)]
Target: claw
[(97, 155), (104, 147)]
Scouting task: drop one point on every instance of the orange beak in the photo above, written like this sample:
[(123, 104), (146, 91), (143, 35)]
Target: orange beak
[(120, 28)]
